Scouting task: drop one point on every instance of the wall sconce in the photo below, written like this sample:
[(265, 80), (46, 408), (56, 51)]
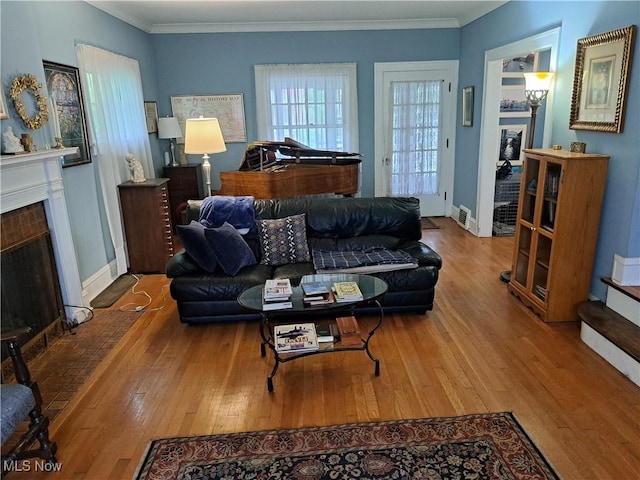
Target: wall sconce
[(168, 128), (536, 88), (203, 136)]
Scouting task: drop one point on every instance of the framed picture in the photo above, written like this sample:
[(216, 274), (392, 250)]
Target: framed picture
[(513, 101), (514, 67), (467, 107), (600, 81), (151, 116), (4, 114), (228, 109), (63, 83), (513, 138)]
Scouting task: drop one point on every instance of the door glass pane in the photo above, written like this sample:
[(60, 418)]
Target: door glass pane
[(532, 168), (415, 125), (543, 254), (522, 261)]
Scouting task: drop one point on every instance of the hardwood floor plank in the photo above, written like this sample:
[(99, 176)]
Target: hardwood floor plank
[(479, 350)]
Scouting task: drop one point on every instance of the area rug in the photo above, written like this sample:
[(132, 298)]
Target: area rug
[(113, 292), (427, 223), (483, 446)]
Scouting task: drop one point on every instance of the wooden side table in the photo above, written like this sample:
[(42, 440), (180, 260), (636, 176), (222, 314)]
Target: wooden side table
[(185, 183), (147, 224)]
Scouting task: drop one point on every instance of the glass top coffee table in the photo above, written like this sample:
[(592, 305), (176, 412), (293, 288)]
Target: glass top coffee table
[(372, 289)]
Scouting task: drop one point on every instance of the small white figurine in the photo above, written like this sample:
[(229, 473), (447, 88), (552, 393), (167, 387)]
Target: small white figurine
[(11, 142), (137, 173)]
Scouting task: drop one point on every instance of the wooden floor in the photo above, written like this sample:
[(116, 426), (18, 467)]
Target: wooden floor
[(478, 351)]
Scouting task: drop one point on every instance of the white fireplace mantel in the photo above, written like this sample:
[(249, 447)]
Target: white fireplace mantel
[(29, 178)]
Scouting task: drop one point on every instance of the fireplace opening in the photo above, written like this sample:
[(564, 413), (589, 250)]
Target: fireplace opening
[(30, 288)]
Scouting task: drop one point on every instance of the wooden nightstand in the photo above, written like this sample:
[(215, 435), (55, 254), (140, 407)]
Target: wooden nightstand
[(185, 183)]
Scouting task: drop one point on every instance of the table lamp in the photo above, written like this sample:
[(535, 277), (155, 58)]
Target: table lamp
[(168, 128), (536, 88), (203, 136)]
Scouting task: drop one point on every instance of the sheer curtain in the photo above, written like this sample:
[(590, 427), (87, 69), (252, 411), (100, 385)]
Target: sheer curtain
[(415, 117), (116, 124), (315, 104)]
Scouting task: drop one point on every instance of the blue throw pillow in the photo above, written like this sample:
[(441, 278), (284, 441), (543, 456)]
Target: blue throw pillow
[(230, 249), (195, 243)]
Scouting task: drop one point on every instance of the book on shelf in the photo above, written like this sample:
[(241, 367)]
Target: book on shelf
[(347, 292), (277, 289), (297, 338), (279, 305), (327, 333), (349, 331)]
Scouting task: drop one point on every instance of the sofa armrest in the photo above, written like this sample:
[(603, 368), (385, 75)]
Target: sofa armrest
[(422, 253), (181, 264)]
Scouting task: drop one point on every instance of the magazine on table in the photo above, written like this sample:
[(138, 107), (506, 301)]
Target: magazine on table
[(347, 292), (314, 289), (296, 338), (277, 289)]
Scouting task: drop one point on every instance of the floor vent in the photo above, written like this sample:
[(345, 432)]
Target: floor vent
[(464, 217)]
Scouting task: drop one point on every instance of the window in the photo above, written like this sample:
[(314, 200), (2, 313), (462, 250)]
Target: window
[(314, 104)]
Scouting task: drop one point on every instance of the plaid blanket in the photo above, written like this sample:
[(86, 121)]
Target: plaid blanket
[(361, 261)]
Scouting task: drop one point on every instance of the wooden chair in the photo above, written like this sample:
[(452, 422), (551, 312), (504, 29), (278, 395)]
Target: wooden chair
[(22, 400)]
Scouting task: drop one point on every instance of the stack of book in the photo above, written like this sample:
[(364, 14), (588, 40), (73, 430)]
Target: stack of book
[(316, 293), (347, 292), (327, 333), (277, 294), (297, 338)]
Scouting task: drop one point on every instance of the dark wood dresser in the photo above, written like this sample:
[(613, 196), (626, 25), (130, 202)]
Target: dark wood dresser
[(185, 183), (147, 224)]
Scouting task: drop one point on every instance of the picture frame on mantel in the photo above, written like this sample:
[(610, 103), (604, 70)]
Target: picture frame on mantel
[(600, 82), (63, 84)]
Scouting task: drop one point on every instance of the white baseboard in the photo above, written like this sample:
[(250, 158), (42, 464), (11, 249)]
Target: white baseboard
[(473, 223), (97, 282)]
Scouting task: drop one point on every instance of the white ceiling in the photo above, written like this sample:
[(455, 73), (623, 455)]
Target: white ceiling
[(206, 16)]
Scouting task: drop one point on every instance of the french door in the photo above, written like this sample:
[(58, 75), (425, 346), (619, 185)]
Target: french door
[(415, 122)]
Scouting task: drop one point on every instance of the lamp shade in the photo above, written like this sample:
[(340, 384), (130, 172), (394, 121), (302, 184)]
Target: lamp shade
[(538, 80), (203, 135), (168, 128)]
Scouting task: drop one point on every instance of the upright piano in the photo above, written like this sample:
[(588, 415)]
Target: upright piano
[(291, 169)]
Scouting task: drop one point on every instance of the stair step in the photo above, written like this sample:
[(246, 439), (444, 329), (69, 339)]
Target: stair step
[(613, 326)]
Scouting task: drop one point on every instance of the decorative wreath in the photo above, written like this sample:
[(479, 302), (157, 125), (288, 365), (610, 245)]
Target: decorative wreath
[(29, 83)]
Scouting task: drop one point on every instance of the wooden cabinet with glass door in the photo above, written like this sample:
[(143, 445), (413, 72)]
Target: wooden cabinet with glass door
[(556, 230)]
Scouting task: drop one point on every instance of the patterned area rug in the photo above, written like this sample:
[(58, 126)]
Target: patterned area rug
[(485, 446)]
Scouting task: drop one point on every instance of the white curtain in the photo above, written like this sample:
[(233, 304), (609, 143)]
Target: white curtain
[(116, 124), (315, 104), (415, 130)]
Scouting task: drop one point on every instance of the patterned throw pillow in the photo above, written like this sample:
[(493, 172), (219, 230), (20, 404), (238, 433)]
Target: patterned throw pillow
[(284, 240)]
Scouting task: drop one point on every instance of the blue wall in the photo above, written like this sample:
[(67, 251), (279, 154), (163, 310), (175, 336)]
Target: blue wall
[(620, 224), (37, 31), (192, 64), (223, 63)]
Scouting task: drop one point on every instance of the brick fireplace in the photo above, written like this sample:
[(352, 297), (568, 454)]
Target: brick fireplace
[(32, 205)]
